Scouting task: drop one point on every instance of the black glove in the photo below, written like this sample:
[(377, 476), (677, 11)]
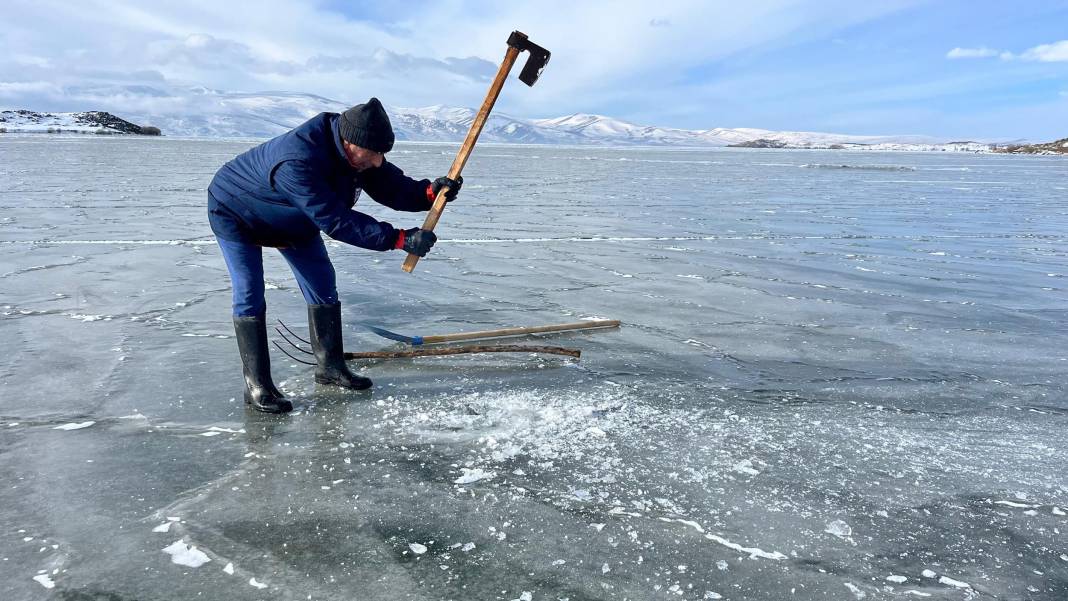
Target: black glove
[(416, 241), (453, 184)]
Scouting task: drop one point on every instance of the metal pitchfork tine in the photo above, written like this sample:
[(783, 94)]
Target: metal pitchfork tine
[(293, 344)]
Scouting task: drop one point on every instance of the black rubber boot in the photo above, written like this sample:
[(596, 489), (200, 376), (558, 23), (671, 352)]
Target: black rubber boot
[(260, 391), (324, 321)]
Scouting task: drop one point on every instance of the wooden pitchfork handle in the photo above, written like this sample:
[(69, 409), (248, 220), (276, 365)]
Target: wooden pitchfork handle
[(465, 150)]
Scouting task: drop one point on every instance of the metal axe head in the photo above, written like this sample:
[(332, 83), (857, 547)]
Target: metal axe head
[(537, 60)]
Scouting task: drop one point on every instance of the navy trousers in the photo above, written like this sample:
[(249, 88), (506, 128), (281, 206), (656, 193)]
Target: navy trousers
[(309, 262)]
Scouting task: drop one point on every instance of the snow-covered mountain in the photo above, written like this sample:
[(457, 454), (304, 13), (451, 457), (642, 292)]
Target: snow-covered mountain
[(203, 112)]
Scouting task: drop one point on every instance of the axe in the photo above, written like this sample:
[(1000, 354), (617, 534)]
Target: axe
[(517, 42)]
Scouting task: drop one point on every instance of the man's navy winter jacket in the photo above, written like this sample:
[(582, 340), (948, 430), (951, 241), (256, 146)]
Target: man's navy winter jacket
[(288, 189)]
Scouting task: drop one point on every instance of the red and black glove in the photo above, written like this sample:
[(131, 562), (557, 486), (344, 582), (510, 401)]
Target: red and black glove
[(453, 184), (416, 241)]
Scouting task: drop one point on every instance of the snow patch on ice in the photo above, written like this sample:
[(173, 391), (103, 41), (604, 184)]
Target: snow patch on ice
[(1015, 504), (951, 582), (74, 426)]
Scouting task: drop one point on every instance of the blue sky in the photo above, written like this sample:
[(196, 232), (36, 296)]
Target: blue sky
[(951, 69)]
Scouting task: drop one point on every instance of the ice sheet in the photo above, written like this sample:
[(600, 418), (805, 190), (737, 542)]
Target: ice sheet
[(829, 384)]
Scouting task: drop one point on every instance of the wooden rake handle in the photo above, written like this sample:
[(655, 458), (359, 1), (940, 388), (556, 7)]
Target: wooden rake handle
[(460, 350), (468, 145), (521, 331)]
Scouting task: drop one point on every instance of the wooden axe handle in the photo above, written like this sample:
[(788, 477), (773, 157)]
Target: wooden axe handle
[(468, 145)]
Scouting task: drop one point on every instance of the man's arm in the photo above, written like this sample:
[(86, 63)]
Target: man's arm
[(329, 213), (389, 186)]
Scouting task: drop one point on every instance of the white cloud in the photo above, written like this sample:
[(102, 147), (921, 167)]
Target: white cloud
[(1057, 52), (602, 53), (982, 52), (15, 89)]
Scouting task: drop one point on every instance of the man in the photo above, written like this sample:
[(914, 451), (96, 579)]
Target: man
[(282, 194)]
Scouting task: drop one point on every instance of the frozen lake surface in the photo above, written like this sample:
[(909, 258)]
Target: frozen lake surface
[(841, 375)]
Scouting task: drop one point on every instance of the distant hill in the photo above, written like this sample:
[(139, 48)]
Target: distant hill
[(91, 122), (830, 144), (1057, 147)]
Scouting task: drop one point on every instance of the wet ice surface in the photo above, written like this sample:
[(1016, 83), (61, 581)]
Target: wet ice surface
[(840, 376)]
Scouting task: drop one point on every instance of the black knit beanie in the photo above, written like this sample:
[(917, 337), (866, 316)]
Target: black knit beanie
[(367, 125)]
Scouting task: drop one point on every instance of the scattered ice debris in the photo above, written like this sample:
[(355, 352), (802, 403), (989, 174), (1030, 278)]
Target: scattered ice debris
[(1064, 557), (839, 529), (560, 562), (256, 583), (711, 595), (859, 594), (186, 555), (210, 433), (74, 426), (473, 475), (917, 593), (89, 317), (229, 569), (721, 565), (45, 581), (525, 596), (605, 569), (597, 527), (417, 548), (928, 574), (951, 582), (468, 547), (1057, 510), (897, 579)]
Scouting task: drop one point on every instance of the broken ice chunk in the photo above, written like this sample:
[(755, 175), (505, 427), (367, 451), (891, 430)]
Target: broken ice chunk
[(473, 475), (839, 529), (186, 555)]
